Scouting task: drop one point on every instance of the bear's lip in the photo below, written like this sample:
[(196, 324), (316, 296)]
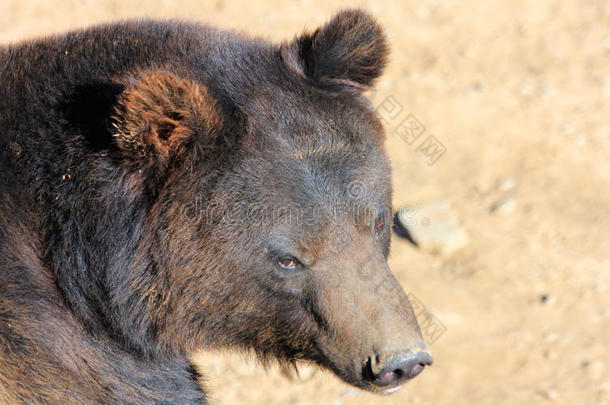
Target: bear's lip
[(386, 390), (382, 391), (391, 390)]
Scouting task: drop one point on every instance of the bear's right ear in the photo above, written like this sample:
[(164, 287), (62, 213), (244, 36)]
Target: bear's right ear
[(158, 115), (349, 52)]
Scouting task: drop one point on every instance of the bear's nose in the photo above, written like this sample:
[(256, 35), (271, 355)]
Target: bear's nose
[(396, 368)]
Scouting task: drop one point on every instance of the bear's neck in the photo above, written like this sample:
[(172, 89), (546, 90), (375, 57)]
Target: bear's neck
[(98, 249)]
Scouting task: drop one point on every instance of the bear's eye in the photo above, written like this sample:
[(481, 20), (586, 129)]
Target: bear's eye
[(379, 225), (289, 263)]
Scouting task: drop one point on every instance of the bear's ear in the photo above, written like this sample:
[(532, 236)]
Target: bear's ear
[(350, 51), (158, 115)]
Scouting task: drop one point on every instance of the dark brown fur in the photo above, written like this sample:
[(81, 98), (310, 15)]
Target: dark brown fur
[(134, 156)]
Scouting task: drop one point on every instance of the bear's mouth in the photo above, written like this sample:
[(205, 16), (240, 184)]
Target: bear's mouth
[(383, 390)]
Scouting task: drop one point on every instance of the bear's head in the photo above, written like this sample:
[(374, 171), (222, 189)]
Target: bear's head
[(267, 216)]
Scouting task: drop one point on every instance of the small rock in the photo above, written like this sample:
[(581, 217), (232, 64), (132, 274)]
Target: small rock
[(527, 89), (505, 206), (507, 184), (548, 394), (547, 91), (546, 299), (432, 227), (551, 337), (594, 368), (551, 394), (600, 287), (476, 87)]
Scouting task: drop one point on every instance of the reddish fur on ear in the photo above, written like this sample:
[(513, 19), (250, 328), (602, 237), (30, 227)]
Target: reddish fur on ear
[(158, 114)]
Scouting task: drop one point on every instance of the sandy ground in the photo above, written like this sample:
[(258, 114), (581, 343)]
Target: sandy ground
[(518, 94)]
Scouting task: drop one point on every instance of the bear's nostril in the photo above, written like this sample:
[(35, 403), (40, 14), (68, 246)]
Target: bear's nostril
[(387, 378), (416, 370)]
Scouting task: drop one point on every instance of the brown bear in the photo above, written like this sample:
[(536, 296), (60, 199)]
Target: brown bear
[(168, 187)]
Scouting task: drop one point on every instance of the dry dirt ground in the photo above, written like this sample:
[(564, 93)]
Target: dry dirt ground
[(518, 94)]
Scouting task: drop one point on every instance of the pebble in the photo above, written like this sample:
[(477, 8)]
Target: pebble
[(548, 394), (551, 337), (596, 369), (433, 227), (505, 206), (507, 184), (546, 299)]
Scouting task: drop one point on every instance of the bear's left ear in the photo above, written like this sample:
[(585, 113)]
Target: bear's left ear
[(350, 51), (158, 115)]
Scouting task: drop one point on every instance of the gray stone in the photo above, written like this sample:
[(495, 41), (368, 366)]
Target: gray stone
[(433, 227), (507, 184), (505, 206)]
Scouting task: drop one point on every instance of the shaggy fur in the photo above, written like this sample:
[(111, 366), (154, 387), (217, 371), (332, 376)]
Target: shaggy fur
[(148, 168)]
